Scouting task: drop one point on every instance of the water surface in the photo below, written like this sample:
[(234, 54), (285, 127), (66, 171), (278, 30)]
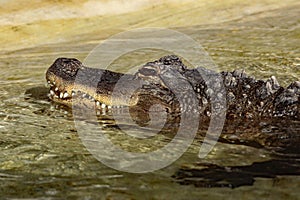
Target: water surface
[(42, 156)]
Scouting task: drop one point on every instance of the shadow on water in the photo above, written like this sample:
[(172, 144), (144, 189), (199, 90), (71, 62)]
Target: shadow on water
[(235, 176), (39, 92), (285, 161)]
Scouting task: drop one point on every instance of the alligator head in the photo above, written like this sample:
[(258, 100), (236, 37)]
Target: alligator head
[(69, 78)]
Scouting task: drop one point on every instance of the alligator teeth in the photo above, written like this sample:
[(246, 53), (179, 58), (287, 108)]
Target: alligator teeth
[(56, 89), (84, 95), (48, 82), (65, 95), (109, 107), (103, 105), (51, 92), (97, 103), (61, 95), (73, 93), (115, 107)]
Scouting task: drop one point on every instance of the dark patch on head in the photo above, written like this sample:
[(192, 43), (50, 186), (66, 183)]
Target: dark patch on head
[(65, 67)]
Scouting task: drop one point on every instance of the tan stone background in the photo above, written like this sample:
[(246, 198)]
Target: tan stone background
[(26, 24)]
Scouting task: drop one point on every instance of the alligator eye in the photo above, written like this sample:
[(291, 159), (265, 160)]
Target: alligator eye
[(148, 71)]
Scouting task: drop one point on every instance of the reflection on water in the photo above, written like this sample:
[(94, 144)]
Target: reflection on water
[(41, 154)]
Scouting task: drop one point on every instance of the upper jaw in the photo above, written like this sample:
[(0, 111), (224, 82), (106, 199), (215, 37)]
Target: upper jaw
[(58, 91)]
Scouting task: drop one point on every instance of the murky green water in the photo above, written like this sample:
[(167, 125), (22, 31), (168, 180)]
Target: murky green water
[(42, 157)]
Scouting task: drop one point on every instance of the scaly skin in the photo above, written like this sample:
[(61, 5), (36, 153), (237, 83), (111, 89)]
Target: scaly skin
[(171, 83)]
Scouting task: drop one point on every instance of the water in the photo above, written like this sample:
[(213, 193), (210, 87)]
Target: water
[(41, 155)]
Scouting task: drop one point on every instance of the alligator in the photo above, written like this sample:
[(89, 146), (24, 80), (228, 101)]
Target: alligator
[(170, 82), (249, 105)]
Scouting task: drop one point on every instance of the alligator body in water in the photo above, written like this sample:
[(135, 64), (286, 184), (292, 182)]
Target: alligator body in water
[(258, 113), (175, 86)]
